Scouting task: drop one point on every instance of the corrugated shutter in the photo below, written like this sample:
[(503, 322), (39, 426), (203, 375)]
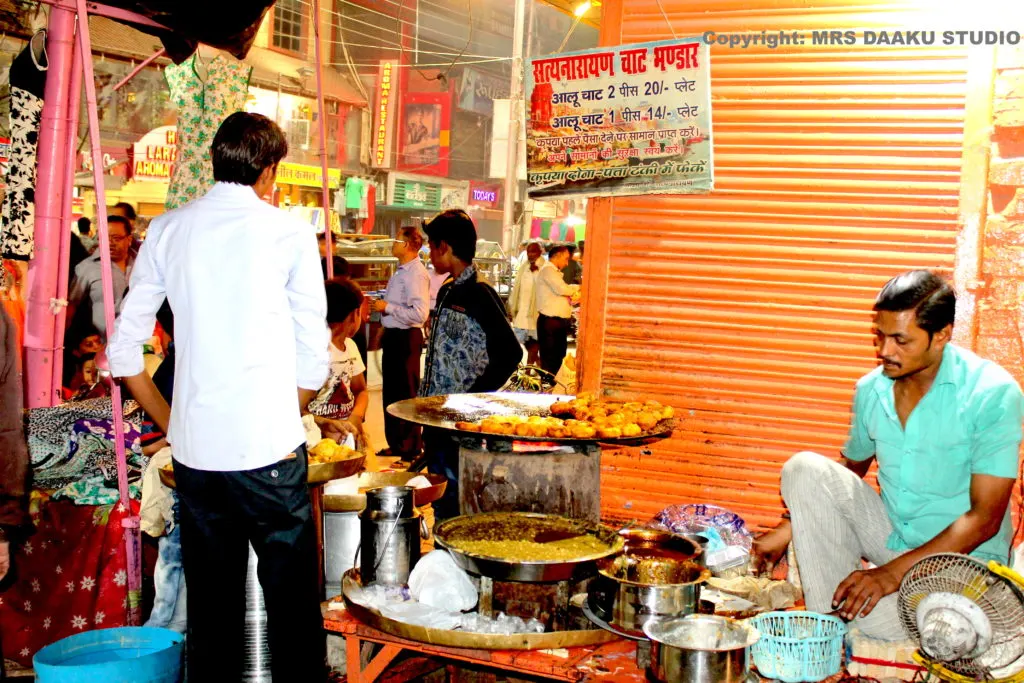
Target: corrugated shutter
[(749, 309)]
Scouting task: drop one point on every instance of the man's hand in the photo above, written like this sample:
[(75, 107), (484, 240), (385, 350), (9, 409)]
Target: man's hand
[(860, 592), (154, 448), (379, 305), (5, 559), (770, 547), (337, 430)]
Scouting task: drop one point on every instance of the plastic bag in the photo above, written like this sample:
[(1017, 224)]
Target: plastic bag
[(721, 527), (418, 614), (437, 581)]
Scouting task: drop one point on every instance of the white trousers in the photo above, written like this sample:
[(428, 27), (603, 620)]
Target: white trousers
[(838, 521)]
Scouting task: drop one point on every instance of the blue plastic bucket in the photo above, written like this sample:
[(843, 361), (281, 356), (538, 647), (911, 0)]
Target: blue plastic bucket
[(113, 655)]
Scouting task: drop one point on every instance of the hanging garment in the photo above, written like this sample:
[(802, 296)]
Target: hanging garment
[(28, 80), (71, 576), (203, 104), (371, 209)]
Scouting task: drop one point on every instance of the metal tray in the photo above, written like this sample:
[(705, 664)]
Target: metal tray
[(319, 473), (371, 480), (525, 526), (465, 639), (443, 412)]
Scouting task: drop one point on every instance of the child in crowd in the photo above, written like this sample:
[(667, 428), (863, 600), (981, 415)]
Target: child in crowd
[(340, 407)]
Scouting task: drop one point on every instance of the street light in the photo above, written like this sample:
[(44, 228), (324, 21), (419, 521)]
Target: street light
[(580, 11)]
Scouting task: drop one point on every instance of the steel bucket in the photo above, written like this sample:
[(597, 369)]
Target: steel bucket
[(700, 649)]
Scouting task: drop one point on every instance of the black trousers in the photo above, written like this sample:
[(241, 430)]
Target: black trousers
[(221, 513), (442, 455), (400, 367), (553, 336)]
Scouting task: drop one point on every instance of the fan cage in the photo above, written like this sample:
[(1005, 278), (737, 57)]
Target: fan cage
[(1001, 601)]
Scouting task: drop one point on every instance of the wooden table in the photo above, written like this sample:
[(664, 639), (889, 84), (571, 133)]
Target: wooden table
[(614, 661)]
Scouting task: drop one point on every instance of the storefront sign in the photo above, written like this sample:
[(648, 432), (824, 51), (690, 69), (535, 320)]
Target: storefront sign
[(486, 196), (454, 196), (384, 113), (307, 176), (630, 120), (410, 194), (115, 161), (426, 133), (153, 156), (477, 92)]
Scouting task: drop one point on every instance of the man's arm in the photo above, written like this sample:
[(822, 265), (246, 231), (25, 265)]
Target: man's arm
[(990, 496), (308, 302), (134, 327), (553, 278), (995, 451)]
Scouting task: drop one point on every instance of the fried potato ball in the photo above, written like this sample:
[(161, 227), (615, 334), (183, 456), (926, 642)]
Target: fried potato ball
[(583, 432), (467, 426), (632, 429), (609, 432)]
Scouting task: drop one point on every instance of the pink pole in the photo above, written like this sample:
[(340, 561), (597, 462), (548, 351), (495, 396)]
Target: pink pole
[(135, 72), (122, 15), (131, 533), (43, 275), (74, 107), (323, 137)]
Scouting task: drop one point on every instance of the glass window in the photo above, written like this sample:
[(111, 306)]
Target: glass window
[(288, 23)]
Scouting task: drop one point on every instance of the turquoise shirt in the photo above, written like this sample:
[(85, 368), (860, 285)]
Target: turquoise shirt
[(968, 423)]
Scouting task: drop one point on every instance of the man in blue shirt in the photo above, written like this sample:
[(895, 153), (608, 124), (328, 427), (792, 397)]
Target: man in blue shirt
[(404, 309), (945, 428)]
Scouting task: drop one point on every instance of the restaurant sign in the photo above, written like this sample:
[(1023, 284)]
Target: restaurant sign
[(306, 176), (153, 156), (485, 195), (384, 114), (629, 120)]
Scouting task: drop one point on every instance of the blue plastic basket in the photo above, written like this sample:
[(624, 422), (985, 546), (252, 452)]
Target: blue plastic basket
[(798, 646), (113, 655)]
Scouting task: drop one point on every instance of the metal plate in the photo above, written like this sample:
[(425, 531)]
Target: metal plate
[(466, 639), (521, 526), (443, 412), (371, 480), (318, 473)]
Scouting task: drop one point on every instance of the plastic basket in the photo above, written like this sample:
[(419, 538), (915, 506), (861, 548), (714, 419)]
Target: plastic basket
[(798, 646)]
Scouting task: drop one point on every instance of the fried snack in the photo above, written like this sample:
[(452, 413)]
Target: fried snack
[(328, 450), (562, 408), (647, 421), (632, 429), (467, 426), (609, 432), (633, 406), (583, 431), (667, 412)]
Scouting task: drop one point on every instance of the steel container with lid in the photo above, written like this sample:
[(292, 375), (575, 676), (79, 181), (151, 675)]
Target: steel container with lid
[(390, 530)]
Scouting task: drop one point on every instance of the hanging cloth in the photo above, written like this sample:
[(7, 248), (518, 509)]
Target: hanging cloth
[(28, 80), (203, 104), (371, 208)]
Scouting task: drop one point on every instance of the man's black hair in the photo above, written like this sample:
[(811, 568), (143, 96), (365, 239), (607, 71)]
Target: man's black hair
[(556, 250), (343, 297), (455, 228), (84, 225), (129, 210), (120, 220), (245, 145), (926, 293), (572, 249), (581, 243)]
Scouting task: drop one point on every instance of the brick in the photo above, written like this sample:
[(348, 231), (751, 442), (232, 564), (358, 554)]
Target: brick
[(1001, 232), (1010, 57), (1007, 171)]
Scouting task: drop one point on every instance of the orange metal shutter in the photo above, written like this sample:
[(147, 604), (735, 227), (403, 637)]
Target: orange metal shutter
[(749, 309)]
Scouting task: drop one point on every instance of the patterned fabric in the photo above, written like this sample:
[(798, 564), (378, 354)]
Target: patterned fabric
[(202, 107), (16, 239), (72, 451), (70, 576), (458, 347)]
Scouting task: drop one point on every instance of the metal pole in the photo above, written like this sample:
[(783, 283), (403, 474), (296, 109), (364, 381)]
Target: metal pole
[(40, 320), (514, 116), (74, 109), (145, 62), (131, 522), (323, 137)]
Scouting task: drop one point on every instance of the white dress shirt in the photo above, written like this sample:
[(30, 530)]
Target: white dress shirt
[(244, 282), (552, 293)]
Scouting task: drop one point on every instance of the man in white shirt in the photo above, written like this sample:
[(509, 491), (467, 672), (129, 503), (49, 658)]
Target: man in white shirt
[(244, 282), (522, 304), (404, 309), (554, 309)]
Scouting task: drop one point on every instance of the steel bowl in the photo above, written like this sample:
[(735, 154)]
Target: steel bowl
[(515, 526), (657, 577), (700, 649)]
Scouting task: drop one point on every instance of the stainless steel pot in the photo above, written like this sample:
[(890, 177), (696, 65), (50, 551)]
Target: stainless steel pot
[(700, 649), (389, 547), (658, 576), (391, 501)]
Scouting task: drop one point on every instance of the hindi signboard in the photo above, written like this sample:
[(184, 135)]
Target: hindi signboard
[(627, 120)]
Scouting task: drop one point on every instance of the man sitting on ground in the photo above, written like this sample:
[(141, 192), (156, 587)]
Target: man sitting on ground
[(945, 427)]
